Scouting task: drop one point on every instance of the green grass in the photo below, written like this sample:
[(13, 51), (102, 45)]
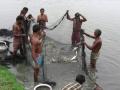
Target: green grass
[(8, 80)]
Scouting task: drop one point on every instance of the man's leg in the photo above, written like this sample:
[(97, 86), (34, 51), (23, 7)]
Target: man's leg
[(15, 48), (22, 51), (77, 37), (36, 73), (93, 63), (73, 39)]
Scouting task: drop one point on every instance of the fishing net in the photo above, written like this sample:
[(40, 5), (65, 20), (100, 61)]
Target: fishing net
[(57, 47), (58, 41)]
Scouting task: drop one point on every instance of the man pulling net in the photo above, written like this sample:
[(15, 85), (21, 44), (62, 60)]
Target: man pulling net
[(77, 23)]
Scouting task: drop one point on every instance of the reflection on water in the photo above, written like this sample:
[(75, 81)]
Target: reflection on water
[(103, 14)]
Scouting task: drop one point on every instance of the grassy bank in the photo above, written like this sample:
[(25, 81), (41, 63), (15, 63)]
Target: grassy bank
[(8, 80)]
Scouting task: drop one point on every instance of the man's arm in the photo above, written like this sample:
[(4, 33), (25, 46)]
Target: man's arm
[(83, 18), (89, 35), (38, 19), (46, 18), (91, 47), (68, 16)]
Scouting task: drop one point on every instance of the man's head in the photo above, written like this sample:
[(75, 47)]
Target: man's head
[(42, 10), (30, 16), (19, 20), (36, 28), (77, 15), (80, 79), (24, 11), (97, 33)]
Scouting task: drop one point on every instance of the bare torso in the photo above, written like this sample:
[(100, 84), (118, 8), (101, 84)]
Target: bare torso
[(77, 24), (17, 32), (36, 46), (97, 45), (42, 19)]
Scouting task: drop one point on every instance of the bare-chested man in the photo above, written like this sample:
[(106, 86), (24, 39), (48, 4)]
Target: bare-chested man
[(77, 23), (95, 48), (17, 33), (42, 18), (25, 31), (36, 42), (23, 13)]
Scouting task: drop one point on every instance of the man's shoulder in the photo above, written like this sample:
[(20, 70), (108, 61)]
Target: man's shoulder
[(15, 26)]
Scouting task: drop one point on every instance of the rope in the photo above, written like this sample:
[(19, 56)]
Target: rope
[(58, 22)]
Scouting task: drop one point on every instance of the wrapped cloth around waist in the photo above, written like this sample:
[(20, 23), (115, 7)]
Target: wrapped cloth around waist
[(95, 55)]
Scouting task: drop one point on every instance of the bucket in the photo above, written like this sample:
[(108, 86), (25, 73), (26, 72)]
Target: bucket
[(42, 87)]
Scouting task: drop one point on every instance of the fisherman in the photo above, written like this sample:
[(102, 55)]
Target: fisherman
[(24, 12), (77, 23), (25, 31), (37, 42), (77, 85), (95, 48), (42, 18), (17, 34)]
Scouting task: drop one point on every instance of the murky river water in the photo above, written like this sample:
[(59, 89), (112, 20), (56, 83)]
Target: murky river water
[(103, 14)]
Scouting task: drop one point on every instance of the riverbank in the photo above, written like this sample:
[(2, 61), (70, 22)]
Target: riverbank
[(8, 80)]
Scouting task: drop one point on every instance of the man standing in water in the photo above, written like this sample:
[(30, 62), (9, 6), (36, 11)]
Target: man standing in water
[(95, 48), (17, 34), (77, 23), (37, 42), (24, 31), (42, 18)]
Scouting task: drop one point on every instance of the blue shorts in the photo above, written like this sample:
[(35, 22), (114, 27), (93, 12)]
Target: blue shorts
[(40, 60)]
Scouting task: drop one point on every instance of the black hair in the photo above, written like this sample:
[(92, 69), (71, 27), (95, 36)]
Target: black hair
[(80, 79), (36, 28), (20, 18), (98, 32), (30, 16), (77, 14), (42, 9), (25, 8)]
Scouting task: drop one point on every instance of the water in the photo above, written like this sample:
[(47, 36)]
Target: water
[(103, 14)]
